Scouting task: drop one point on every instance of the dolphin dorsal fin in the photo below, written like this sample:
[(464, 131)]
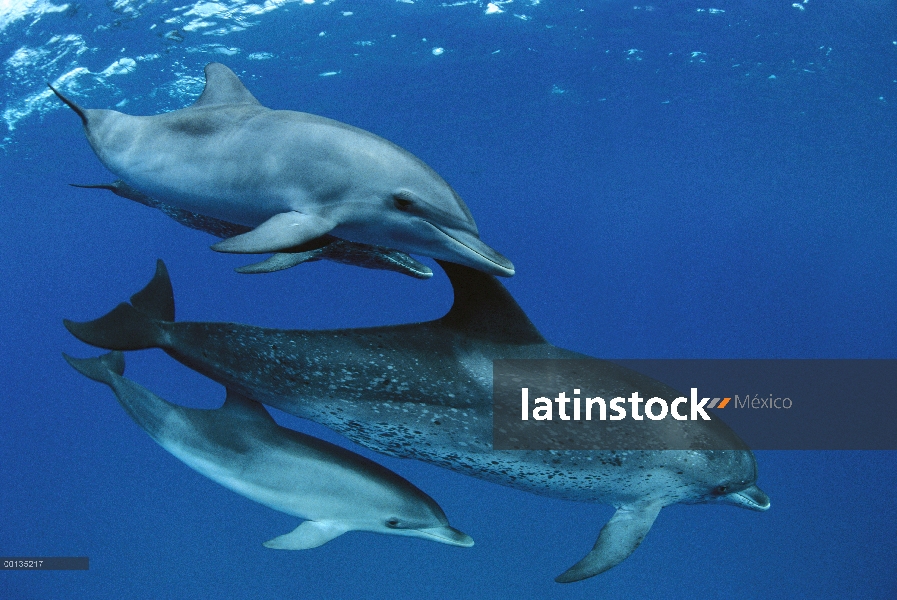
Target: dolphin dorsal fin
[(238, 405), (223, 87), (485, 309)]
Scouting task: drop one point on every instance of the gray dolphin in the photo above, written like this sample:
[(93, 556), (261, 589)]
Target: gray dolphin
[(424, 391), (325, 247), (292, 177), (241, 447)]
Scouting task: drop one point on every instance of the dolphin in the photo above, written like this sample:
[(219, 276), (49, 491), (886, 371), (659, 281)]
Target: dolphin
[(424, 391), (241, 447), (290, 177), (325, 247)]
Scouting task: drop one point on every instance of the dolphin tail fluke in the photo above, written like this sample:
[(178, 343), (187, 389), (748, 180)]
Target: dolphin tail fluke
[(125, 328), (618, 539), (134, 326), (157, 298), (80, 111), (100, 368), (310, 534)]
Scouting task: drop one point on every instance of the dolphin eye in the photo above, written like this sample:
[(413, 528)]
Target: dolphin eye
[(720, 490), (402, 203), (392, 523)]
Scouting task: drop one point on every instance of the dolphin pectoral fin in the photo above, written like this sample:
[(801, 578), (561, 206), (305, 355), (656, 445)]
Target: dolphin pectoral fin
[(375, 257), (279, 262), (346, 252), (280, 232), (310, 534), (617, 540)]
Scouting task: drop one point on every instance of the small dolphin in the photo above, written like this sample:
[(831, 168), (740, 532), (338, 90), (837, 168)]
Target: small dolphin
[(292, 177), (424, 391), (325, 247), (241, 447)]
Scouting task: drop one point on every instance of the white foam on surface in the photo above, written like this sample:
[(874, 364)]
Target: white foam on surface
[(100, 52), (16, 10)]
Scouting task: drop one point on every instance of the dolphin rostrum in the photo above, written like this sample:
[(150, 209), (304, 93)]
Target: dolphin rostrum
[(325, 247), (424, 391), (291, 177), (241, 447)]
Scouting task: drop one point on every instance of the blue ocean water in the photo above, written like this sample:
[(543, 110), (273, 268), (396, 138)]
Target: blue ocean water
[(673, 180)]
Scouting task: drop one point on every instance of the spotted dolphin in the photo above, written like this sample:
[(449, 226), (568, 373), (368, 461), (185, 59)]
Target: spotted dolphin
[(325, 247), (241, 447), (291, 177), (424, 391)]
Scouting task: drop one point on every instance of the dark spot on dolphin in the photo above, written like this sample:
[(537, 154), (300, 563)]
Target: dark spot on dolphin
[(468, 457), (195, 126)]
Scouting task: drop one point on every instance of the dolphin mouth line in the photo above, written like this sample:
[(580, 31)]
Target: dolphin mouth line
[(464, 542), (456, 240), (749, 501)]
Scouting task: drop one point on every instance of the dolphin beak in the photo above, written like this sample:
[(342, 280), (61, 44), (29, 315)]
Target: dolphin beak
[(752, 498), (470, 250), (447, 535)]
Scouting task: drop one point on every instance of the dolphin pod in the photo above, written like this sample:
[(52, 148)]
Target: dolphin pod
[(241, 447), (291, 178), (424, 391)]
